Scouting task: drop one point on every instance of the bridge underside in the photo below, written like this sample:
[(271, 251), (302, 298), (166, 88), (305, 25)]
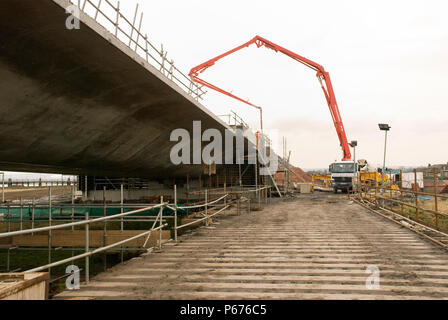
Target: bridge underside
[(82, 102)]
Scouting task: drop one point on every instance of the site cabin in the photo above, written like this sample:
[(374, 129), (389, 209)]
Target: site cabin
[(343, 175)]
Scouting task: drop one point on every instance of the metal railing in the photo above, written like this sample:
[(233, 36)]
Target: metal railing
[(233, 119), (421, 207), (210, 208), (120, 25), (260, 192), (38, 183), (87, 222), (19, 185)]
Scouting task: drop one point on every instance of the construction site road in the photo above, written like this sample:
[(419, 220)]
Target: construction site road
[(316, 246)]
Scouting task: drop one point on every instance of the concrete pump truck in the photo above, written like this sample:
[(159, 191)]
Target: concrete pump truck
[(342, 172)]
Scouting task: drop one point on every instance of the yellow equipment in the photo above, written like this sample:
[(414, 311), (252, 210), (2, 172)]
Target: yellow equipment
[(375, 177), (326, 179)]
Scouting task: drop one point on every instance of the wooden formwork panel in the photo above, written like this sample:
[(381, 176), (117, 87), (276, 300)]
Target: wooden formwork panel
[(24, 286)]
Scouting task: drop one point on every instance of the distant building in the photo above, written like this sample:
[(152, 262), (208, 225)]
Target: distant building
[(409, 179), (441, 169), (441, 178)]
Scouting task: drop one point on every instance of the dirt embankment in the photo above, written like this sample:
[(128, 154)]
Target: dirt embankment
[(14, 194)]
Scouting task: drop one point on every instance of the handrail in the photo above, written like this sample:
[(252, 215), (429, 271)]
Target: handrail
[(229, 190), (159, 220), (205, 204), (78, 223), (111, 217), (87, 222), (207, 216), (89, 253), (201, 219)]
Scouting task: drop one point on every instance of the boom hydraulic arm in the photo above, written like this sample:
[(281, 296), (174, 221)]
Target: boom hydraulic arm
[(322, 76)]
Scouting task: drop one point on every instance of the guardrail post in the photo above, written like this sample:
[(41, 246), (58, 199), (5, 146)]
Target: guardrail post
[(104, 228), (8, 259), (146, 47), (118, 17), (97, 9), (133, 24), (206, 209), (416, 194), (225, 199), (376, 190), (401, 192), (72, 184), (175, 213), (3, 187), (138, 32), (9, 219), (21, 213), (435, 197), (32, 216), (73, 203), (49, 231), (87, 247), (390, 190), (85, 188), (160, 224), (121, 218)]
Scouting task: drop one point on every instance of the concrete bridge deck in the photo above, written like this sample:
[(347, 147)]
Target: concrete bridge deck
[(83, 102), (317, 247)]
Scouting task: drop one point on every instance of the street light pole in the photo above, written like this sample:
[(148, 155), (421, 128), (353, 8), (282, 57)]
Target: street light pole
[(385, 144), (384, 127), (353, 144)]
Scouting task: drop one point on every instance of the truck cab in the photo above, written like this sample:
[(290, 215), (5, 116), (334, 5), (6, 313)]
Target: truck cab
[(343, 175)]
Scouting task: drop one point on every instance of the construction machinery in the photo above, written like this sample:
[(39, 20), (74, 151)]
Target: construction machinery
[(346, 175), (343, 175), (373, 177), (325, 179), (322, 75)]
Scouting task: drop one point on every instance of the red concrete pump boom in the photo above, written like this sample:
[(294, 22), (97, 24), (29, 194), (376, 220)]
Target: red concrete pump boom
[(322, 76)]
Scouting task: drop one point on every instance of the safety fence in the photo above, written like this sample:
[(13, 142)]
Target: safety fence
[(166, 218), (233, 119), (110, 17), (426, 208)]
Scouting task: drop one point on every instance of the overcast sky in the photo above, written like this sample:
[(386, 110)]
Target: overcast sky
[(387, 61)]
